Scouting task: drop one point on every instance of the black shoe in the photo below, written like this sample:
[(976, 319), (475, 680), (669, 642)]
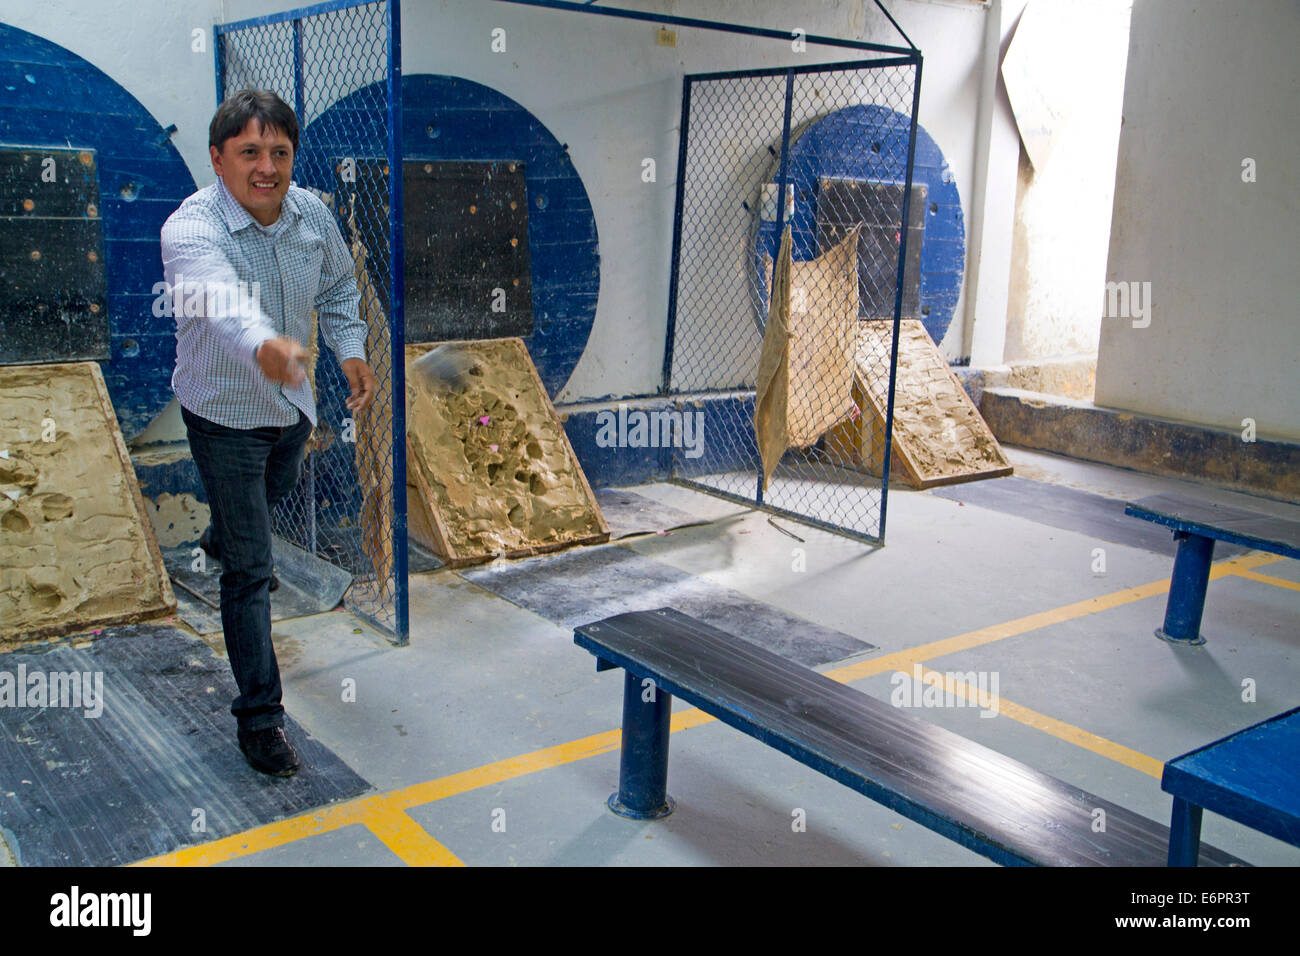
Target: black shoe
[(205, 542), (269, 751)]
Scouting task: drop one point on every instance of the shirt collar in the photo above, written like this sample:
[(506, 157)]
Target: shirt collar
[(237, 217)]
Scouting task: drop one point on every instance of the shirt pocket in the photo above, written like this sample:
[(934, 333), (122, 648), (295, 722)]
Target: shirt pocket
[(300, 270)]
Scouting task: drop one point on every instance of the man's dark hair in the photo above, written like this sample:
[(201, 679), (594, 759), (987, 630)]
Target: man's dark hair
[(262, 105)]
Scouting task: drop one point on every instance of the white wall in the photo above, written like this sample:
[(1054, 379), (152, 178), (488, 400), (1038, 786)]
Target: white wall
[(1063, 208), (1209, 84)]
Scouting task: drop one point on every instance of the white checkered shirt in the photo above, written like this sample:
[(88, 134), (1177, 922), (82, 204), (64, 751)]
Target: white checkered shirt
[(214, 256)]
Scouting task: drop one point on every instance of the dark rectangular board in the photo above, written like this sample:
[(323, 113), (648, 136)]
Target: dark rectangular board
[(53, 289), (843, 204), (466, 238), (979, 798), (466, 235)]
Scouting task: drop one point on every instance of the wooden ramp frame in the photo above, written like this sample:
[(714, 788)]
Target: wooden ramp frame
[(78, 548), (490, 471), (939, 437)]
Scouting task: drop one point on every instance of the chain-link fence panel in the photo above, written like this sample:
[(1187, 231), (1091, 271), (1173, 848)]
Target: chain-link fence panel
[(795, 211), (338, 67)]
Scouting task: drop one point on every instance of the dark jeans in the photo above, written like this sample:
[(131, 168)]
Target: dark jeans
[(245, 472)]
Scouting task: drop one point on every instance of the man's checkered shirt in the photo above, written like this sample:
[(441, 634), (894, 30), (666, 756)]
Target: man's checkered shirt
[(214, 256)]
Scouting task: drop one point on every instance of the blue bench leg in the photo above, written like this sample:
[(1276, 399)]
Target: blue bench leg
[(1185, 834), (1187, 590), (643, 769)]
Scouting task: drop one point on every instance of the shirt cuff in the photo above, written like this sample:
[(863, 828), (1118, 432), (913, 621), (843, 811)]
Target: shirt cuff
[(350, 350), (249, 340)]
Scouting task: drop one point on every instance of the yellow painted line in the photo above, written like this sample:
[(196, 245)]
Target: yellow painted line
[(430, 790), (379, 806), (379, 809), (269, 835), (410, 841), (1050, 725), (903, 660), (1269, 579)]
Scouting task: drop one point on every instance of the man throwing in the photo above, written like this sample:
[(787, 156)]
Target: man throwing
[(252, 238)]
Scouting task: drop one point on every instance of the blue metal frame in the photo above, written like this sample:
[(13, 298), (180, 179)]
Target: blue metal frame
[(675, 273), (219, 62), (1184, 833), (297, 14), (898, 302), (716, 25), (912, 57), (782, 184), (397, 319), (891, 19), (299, 92), (806, 68)]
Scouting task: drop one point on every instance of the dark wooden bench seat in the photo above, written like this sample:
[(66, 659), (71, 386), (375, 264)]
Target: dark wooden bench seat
[(1196, 526), (983, 800)]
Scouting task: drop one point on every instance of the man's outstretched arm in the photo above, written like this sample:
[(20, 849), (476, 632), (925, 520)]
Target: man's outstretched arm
[(205, 286)]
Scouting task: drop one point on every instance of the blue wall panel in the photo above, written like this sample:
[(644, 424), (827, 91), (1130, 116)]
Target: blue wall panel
[(52, 97), (869, 144)]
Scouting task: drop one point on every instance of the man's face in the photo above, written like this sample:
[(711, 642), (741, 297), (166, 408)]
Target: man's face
[(256, 164)]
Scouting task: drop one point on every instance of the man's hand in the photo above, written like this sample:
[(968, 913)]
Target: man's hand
[(362, 382), (281, 360)]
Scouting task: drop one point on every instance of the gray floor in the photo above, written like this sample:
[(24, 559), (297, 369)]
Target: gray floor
[(484, 681)]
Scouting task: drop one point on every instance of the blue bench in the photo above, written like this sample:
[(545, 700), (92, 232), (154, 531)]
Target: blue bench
[(1252, 776), (1196, 526), (985, 801)]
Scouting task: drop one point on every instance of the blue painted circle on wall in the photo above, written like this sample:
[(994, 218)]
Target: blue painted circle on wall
[(868, 143), (49, 96), (451, 118)]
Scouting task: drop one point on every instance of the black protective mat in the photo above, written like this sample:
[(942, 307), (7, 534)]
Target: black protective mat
[(628, 513), (1071, 510), (576, 587), (81, 790)]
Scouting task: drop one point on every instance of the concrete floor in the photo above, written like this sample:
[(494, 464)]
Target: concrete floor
[(492, 740)]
